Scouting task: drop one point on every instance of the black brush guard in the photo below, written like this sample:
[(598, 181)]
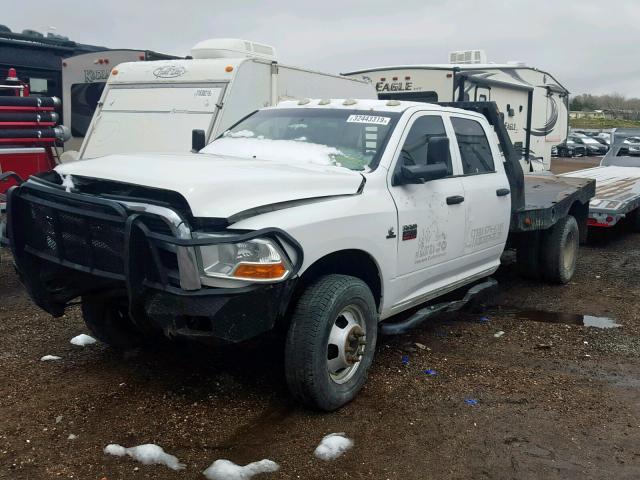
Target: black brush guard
[(68, 244)]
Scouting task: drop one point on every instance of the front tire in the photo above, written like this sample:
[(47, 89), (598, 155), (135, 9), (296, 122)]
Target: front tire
[(108, 320), (331, 341)]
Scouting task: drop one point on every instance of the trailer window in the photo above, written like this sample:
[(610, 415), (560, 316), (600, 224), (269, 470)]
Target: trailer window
[(151, 118), (84, 100), (414, 150), (38, 85), (475, 151)]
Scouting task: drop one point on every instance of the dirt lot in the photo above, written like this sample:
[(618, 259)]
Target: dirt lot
[(555, 399)]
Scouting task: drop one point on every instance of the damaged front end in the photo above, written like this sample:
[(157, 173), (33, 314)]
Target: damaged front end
[(87, 239)]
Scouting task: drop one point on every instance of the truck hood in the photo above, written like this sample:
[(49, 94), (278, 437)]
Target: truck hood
[(220, 186)]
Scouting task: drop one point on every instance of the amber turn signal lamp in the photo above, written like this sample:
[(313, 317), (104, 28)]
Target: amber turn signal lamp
[(265, 271)]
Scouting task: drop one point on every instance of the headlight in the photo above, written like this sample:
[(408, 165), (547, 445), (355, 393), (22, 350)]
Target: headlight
[(256, 260)]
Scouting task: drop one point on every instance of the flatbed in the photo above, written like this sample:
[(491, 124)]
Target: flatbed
[(617, 180), (549, 197), (617, 193)]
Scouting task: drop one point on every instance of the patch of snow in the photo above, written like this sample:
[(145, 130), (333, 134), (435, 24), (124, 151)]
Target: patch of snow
[(115, 449), (226, 470), (147, 454), (83, 340), (296, 126), (48, 358), (332, 446), (67, 182), (239, 134), (289, 151)]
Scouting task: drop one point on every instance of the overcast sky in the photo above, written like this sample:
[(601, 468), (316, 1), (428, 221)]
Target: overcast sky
[(589, 46)]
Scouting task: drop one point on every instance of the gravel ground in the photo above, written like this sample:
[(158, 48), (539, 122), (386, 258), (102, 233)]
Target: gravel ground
[(555, 399)]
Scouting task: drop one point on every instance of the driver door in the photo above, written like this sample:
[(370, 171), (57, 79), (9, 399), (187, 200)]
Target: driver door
[(431, 216)]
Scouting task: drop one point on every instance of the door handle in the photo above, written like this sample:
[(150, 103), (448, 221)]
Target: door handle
[(501, 192), (455, 199)]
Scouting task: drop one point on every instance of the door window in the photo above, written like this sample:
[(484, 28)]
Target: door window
[(414, 150), (475, 151)]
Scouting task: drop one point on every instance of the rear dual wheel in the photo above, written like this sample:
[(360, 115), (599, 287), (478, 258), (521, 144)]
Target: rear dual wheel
[(331, 341), (552, 254)]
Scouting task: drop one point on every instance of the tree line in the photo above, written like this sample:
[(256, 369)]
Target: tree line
[(618, 105)]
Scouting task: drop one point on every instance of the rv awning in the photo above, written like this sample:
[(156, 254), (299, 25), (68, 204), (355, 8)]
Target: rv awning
[(488, 82)]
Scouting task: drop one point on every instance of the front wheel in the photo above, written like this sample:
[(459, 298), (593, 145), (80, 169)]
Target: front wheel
[(108, 320), (331, 341)]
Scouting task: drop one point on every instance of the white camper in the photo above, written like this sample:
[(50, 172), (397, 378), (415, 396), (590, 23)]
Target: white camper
[(154, 106), (83, 80), (533, 103)]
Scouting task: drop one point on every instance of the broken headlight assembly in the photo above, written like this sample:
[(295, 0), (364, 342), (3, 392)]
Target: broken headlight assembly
[(257, 260)]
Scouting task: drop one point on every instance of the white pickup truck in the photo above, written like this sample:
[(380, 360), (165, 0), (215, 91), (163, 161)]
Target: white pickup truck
[(316, 218)]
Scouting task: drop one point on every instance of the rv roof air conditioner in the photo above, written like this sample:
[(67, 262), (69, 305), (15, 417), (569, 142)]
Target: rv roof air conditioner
[(468, 56), (232, 48)]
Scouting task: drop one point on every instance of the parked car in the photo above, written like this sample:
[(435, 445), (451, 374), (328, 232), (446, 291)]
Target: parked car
[(570, 149), (633, 145), (592, 146)]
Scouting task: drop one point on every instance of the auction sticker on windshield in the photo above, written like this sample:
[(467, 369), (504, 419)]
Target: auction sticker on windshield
[(373, 119)]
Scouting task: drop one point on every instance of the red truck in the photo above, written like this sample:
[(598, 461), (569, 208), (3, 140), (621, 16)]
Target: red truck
[(29, 132)]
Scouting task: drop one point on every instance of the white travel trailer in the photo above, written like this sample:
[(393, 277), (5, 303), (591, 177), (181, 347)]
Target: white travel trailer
[(155, 106), (83, 80), (533, 103)]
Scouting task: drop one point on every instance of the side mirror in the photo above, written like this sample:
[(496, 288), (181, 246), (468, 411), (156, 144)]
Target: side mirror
[(423, 173), (198, 140), (436, 167)]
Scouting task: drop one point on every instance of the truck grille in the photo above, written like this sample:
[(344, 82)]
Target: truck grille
[(87, 241)]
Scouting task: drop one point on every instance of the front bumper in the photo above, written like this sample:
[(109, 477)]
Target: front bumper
[(67, 245)]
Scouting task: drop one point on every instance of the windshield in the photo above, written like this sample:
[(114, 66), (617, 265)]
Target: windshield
[(353, 139)]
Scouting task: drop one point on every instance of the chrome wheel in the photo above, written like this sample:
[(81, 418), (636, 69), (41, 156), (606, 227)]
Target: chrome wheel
[(347, 344)]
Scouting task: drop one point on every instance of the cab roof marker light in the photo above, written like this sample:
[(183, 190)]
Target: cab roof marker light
[(324, 102), (304, 101), (349, 101), (393, 103)]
